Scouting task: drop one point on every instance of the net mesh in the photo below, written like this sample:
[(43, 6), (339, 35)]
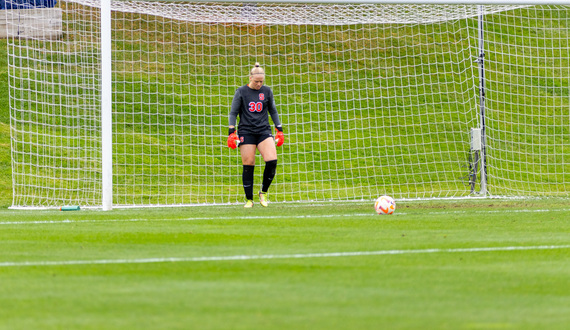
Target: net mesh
[(375, 99)]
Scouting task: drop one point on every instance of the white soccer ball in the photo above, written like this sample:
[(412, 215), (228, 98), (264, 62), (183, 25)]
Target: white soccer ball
[(385, 205)]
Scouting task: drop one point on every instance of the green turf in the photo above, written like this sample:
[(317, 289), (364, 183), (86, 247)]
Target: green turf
[(522, 289), (526, 289), (5, 166)]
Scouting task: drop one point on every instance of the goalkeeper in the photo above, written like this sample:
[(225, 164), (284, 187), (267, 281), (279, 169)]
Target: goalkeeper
[(252, 103)]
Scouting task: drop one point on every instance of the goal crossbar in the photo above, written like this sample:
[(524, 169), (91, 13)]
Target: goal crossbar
[(391, 2)]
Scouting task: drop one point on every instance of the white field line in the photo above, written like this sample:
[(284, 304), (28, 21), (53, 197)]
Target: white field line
[(277, 217), (275, 256)]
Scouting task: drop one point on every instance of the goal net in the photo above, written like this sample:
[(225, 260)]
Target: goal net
[(374, 99)]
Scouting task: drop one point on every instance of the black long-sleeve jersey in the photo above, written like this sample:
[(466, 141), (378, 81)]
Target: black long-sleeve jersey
[(253, 106)]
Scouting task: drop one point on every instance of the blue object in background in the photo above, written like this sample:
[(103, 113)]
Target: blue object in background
[(27, 4)]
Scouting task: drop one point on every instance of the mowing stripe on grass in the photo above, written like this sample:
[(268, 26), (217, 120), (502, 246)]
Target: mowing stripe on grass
[(276, 256), (270, 217)]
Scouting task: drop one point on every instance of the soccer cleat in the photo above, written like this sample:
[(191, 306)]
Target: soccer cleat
[(248, 204), (262, 199)]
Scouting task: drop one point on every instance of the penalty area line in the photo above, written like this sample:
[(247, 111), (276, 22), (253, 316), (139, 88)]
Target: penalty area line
[(276, 256)]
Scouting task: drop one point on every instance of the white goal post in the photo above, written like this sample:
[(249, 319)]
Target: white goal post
[(129, 105)]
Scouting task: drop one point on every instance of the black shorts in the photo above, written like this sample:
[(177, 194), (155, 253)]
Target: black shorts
[(254, 138)]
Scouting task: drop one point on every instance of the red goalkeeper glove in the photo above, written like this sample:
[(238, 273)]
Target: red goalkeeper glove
[(279, 137), (233, 140)]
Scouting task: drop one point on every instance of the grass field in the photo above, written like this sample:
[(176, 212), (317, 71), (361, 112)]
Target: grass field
[(5, 166), (454, 264), (439, 265)]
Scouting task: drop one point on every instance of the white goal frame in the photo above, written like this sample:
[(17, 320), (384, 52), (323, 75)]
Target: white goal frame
[(106, 106)]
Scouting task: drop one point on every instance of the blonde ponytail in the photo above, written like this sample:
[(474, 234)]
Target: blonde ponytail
[(257, 69)]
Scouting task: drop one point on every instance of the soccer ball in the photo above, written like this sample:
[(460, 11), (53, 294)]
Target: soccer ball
[(385, 205)]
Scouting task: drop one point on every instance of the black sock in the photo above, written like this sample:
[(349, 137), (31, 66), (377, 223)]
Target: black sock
[(268, 174), (247, 179)]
